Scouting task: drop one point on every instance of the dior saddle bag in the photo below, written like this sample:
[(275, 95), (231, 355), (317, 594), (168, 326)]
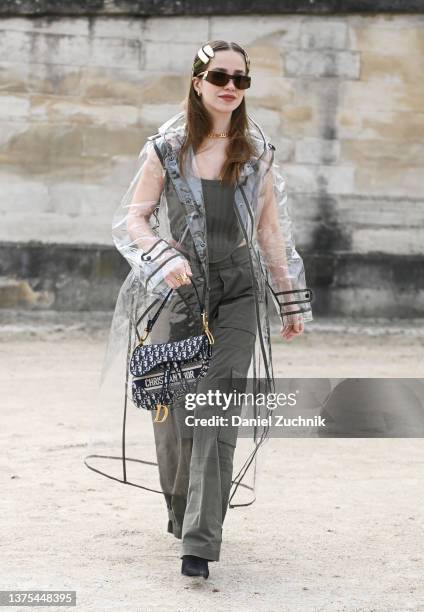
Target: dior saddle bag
[(163, 372)]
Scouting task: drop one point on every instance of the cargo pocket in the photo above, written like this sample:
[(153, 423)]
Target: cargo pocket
[(237, 309), (228, 433)]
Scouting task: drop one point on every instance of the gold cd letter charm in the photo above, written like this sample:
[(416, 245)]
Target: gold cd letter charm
[(158, 410)]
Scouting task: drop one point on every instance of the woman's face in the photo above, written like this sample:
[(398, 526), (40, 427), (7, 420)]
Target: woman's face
[(212, 95)]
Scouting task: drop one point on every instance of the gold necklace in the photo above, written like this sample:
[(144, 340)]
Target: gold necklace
[(218, 135)]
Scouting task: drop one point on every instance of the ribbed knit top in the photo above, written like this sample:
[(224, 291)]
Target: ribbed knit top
[(223, 230)]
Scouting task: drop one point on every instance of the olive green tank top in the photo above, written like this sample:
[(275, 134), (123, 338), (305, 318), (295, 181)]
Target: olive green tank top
[(222, 226)]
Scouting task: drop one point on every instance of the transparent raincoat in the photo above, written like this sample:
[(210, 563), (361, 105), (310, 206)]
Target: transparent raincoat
[(155, 227)]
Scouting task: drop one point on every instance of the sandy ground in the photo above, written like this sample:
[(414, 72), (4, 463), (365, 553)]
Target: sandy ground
[(337, 526)]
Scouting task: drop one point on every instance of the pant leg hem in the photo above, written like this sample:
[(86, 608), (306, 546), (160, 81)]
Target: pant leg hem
[(201, 551)]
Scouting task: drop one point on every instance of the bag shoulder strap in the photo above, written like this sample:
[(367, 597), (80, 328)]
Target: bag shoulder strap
[(152, 321)]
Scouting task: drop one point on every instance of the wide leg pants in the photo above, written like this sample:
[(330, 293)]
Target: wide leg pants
[(196, 472)]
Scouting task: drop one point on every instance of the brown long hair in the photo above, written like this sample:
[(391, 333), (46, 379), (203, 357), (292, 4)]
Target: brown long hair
[(199, 122)]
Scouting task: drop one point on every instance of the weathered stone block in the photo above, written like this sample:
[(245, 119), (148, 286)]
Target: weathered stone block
[(398, 152), (317, 151), (341, 64), (10, 132), (59, 48), (109, 141), (391, 68), (266, 57), (134, 87), (403, 241), (25, 196), (55, 228), (390, 179), (17, 293), (39, 78), (164, 88), (40, 147), (281, 31), (321, 179), (312, 109), (268, 120), (155, 56), (298, 120), (270, 92), (118, 27), (60, 24), (81, 111), (377, 95), (111, 83), (188, 30), (156, 114), (284, 147), (49, 48), (115, 52), (370, 123), (16, 46), (380, 211), (16, 24), (81, 200), (376, 302), (323, 33), (401, 37), (14, 107)]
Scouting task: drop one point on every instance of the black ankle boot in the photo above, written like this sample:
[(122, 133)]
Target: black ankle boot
[(194, 566)]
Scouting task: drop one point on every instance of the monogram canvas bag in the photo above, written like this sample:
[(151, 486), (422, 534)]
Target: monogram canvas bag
[(163, 372)]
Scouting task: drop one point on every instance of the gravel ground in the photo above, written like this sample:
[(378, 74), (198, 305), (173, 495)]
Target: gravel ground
[(337, 525)]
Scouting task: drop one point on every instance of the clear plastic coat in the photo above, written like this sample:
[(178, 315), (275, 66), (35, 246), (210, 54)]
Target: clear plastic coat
[(159, 225)]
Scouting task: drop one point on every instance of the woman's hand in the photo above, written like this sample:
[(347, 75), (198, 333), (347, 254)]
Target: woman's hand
[(177, 272), (294, 328)]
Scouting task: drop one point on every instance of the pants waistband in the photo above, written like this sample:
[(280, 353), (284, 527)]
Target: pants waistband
[(238, 256)]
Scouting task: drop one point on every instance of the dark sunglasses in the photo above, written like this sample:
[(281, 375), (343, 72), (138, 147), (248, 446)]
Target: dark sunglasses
[(221, 79)]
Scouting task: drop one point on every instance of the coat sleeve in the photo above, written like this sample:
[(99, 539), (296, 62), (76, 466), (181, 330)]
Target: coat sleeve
[(135, 226), (286, 272)]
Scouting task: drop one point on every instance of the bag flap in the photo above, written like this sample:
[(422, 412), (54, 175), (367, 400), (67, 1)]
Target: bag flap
[(145, 358)]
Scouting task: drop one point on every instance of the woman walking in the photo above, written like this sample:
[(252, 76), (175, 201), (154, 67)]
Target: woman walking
[(208, 207)]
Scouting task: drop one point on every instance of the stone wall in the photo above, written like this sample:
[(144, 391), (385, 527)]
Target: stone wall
[(339, 95), (148, 8)]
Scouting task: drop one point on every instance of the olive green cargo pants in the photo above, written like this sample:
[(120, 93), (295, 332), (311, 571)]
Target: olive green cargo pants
[(196, 472)]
